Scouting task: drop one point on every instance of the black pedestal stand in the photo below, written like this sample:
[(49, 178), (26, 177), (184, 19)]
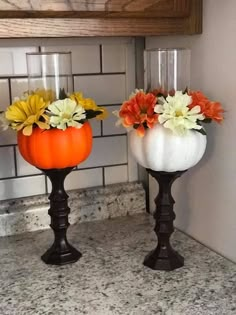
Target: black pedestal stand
[(61, 252), (164, 257)]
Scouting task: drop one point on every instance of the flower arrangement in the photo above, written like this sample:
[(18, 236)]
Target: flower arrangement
[(41, 108), (178, 111)]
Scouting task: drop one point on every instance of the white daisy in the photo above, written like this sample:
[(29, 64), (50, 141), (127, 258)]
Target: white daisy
[(175, 114), (66, 113)]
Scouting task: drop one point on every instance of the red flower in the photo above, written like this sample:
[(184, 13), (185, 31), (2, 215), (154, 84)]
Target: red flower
[(138, 112), (209, 109)]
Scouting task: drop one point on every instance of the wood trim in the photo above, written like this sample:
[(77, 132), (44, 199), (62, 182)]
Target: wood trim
[(90, 14), (71, 27), (194, 21), (105, 8)]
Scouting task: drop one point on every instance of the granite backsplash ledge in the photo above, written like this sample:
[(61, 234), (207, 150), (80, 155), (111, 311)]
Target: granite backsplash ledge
[(98, 203)]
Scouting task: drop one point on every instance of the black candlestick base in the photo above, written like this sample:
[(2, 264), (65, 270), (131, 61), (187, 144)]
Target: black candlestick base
[(61, 255), (164, 257), (61, 252)]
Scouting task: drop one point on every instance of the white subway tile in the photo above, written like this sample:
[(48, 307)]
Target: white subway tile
[(13, 60), (22, 187), (4, 94), (109, 124), (116, 174), (18, 87), (107, 151), (113, 58), (130, 69), (104, 89), (81, 179), (23, 167), (19, 56), (96, 126), (6, 62), (85, 58), (132, 164), (7, 165), (8, 136)]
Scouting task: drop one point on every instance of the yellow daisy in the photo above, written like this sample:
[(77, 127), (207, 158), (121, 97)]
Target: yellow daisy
[(24, 114), (89, 104)]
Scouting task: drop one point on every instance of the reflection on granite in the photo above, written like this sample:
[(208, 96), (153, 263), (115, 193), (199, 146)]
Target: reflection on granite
[(97, 203), (110, 279)]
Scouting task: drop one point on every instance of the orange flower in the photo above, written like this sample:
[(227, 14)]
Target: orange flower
[(209, 109), (198, 98), (138, 112), (214, 111)]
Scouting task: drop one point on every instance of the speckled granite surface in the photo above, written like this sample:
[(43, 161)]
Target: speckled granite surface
[(110, 279), (31, 213)]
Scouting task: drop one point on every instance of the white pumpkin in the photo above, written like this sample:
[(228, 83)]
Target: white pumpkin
[(162, 150)]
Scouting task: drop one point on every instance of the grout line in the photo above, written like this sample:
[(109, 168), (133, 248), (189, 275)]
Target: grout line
[(9, 90), (101, 126), (95, 137), (107, 105), (101, 129), (74, 75), (111, 135), (74, 170), (98, 73), (14, 77), (7, 145), (99, 166), (103, 176), (21, 176), (101, 57), (110, 105), (46, 184), (15, 161)]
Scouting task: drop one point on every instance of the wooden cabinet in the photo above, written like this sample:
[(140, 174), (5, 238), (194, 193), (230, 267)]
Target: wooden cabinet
[(70, 18)]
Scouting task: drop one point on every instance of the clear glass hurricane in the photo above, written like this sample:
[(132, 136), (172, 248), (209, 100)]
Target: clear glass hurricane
[(50, 71), (167, 69)]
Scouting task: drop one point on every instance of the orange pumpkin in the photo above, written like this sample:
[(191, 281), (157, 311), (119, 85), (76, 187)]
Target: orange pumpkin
[(55, 148)]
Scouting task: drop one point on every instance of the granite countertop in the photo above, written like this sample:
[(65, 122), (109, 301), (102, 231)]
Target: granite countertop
[(110, 279)]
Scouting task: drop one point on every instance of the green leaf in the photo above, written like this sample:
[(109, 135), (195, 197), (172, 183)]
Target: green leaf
[(186, 90), (135, 126), (145, 125), (92, 113), (207, 120), (202, 131), (62, 94), (160, 95), (82, 121)]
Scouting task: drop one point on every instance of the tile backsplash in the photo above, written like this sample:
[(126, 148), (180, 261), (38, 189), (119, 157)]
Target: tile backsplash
[(103, 69)]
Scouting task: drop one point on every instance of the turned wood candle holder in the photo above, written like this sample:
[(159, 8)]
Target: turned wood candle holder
[(61, 252), (164, 257)]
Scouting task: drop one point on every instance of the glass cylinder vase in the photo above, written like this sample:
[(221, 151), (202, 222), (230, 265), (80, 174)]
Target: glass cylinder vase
[(167, 69), (50, 71)]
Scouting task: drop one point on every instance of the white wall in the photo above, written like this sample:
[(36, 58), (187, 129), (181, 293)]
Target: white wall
[(206, 195)]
